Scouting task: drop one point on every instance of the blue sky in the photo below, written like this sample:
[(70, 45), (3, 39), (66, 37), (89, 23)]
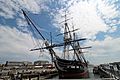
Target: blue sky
[(98, 20)]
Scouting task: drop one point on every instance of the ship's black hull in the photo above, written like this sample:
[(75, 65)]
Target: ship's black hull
[(74, 75), (71, 69)]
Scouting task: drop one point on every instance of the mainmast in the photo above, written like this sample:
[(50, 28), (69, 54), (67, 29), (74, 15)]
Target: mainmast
[(67, 38), (75, 44)]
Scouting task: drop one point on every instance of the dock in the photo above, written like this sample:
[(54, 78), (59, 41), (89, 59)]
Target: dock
[(20, 74), (27, 72), (108, 71), (36, 72)]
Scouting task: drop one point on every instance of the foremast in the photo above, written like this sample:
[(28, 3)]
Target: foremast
[(30, 23)]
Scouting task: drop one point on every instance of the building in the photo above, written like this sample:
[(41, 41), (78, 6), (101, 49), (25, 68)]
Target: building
[(17, 63), (41, 63)]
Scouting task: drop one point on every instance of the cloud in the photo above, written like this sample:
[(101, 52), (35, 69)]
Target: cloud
[(21, 22), (104, 51), (6, 9), (90, 16), (15, 45), (106, 9), (9, 8)]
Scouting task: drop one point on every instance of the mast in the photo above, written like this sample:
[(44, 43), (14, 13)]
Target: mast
[(67, 38), (30, 23), (73, 39)]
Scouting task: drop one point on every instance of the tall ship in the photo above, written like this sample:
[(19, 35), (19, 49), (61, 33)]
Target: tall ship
[(68, 68)]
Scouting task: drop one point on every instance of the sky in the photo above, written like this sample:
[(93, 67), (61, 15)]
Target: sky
[(97, 20)]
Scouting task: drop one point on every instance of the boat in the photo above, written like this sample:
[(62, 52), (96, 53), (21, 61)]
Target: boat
[(76, 68)]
